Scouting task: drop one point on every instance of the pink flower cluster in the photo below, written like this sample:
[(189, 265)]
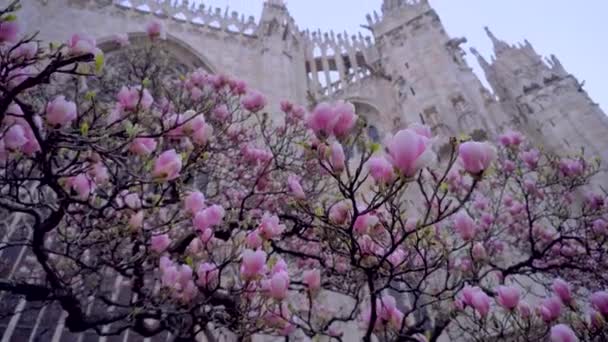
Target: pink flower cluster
[(387, 314), (332, 120), (409, 151)]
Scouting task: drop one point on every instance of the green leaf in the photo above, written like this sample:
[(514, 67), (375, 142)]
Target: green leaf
[(376, 147), (90, 95), (189, 261), (99, 62), (84, 129), (443, 187), (146, 82), (9, 17), (319, 211)]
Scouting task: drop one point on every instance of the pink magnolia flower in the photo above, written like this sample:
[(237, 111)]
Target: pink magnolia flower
[(562, 333), (194, 202), (209, 217), (571, 167), (407, 151), (364, 223), (253, 264), (337, 156), (254, 101), (295, 187), (156, 29), (129, 98), (220, 112), (511, 138), (600, 227), (479, 252), (422, 130), (159, 243), (464, 225), (599, 300), (322, 119), (345, 119), (9, 31), (253, 240), (508, 297), (550, 309), (339, 212), (143, 146), (380, 169), (279, 285), (286, 106), (60, 112), (14, 138), (562, 290), (397, 257), (387, 313), (480, 301), (99, 173), (476, 156), (82, 186), (167, 166), (25, 51), (121, 39), (312, 279), (207, 274), (81, 44), (270, 227), (524, 309), (136, 221), (531, 158)]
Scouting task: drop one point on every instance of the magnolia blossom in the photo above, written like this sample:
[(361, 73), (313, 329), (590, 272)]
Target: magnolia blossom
[(167, 166), (464, 225), (80, 44), (253, 240), (508, 297), (81, 186), (322, 119), (253, 264), (562, 333), (386, 313), (339, 212), (130, 97), (550, 309), (531, 158), (60, 112), (156, 29), (599, 300), (143, 146), (364, 223), (159, 243), (380, 169), (121, 39), (254, 101), (562, 290), (511, 138), (345, 119), (279, 285), (295, 187), (25, 51), (194, 202), (207, 274), (479, 252), (422, 130), (209, 217), (9, 31), (476, 156), (337, 156), (312, 279), (477, 298), (14, 138), (407, 151), (270, 227)]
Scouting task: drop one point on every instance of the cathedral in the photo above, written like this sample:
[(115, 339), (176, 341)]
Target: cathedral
[(408, 70)]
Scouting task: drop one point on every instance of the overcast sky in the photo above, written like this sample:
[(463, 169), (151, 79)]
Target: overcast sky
[(575, 31)]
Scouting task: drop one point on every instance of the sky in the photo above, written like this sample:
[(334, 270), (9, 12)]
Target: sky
[(574, 31)]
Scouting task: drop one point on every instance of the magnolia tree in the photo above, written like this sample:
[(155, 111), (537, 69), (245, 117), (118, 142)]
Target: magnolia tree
[(178, 205)]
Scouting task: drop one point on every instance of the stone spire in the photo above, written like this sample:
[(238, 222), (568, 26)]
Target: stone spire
[(499, 45), (393, 5)]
